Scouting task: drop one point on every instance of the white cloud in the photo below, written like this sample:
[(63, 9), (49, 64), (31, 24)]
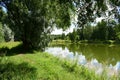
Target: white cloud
[(57, 31), (60, 31), (99, 19)]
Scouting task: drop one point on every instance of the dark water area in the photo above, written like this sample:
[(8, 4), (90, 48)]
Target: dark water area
[(90, 55)]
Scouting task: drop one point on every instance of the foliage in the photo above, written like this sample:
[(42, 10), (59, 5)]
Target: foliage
[(100, 32), (5, 31), (88, 10), (2, 15), (31, 21), (1, 33), (63, 36), (73, 36), (104, 32), (87, 32), (8, 35), (117, 29), (1, 28)]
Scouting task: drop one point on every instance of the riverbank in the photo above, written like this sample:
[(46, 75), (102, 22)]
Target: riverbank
[(59, 41), (16, 64)]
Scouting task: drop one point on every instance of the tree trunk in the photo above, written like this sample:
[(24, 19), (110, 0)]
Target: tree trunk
[(26, 45)]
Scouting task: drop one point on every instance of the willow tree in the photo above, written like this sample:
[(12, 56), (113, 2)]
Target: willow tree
[(32, 20)]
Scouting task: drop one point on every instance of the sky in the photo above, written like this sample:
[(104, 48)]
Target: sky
[(60, 31), (4, 9)]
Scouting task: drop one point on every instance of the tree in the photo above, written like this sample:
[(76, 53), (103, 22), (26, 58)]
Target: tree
[(117, 30), (1, 26), (103, 32), (87, 32), (1, 14), (74, 36), (88, 10), (8, 35), (99, 32), (31, 20), (63, 36), (1, 33)]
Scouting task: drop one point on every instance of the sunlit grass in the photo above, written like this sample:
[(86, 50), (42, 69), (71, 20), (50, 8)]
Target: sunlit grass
[(42, 66), (9, 44), (59, 41)]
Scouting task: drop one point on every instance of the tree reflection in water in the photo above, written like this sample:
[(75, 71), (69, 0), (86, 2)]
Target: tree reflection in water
[(97, 57)]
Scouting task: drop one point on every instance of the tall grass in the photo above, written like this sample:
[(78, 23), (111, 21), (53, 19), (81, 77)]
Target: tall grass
[(9, 70)]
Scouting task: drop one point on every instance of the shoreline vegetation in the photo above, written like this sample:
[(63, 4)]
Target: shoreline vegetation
[(60, 41), (35, 65)]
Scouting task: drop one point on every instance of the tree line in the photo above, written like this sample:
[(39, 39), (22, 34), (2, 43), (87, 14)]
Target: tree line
[(31, 21), (100, 32)]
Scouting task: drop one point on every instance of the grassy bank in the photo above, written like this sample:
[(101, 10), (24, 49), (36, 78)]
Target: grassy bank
[(59, 41), (85, 41), (16, 64)]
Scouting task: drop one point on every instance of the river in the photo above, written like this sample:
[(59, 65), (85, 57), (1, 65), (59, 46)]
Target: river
[(99, 57)]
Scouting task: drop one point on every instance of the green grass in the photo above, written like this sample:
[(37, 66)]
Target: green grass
[(59, 41), (40, 66)]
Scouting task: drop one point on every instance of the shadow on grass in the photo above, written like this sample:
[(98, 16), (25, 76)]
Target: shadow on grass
[(5, 51), (11, 71)]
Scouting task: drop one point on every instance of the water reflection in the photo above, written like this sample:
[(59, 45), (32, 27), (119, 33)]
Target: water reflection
[(106, 54), (117, 66), (81, 59), (99, 57)]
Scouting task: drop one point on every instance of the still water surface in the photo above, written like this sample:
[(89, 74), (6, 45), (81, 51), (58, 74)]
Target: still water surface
[(94, 56)]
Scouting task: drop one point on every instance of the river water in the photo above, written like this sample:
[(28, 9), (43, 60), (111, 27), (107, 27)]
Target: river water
[(100, 57)]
